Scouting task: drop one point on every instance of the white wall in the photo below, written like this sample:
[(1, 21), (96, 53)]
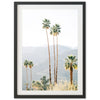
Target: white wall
[(7, 57)]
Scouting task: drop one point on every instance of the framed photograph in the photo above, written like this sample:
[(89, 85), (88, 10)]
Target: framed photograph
[(49, 50)]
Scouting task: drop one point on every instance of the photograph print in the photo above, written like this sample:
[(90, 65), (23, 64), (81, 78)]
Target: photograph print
[(49, 49)]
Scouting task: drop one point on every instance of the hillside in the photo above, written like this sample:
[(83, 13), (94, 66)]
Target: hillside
[(39, 56)]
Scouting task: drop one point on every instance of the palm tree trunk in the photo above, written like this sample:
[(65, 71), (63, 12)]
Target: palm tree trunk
[(54, 58), (49, 58), (30, 78), (71, 75), (26, 79), (57, 58)]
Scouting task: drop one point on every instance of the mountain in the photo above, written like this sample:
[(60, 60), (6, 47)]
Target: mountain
[(39, 56)]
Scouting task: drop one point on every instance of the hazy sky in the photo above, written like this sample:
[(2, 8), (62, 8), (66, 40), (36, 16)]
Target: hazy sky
[(34, 35)]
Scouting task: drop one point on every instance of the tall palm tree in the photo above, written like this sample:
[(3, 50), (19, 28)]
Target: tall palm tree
[(53, 33), (30, 66), (58, 31), (46, 25), (26, 65), (55, 30), (70, 63)]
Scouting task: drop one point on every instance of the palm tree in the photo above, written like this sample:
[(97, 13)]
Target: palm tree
[(52, 33), (26, 65), (30, 66), (70, 63), (58, 31), (46, 25), (55, 30)]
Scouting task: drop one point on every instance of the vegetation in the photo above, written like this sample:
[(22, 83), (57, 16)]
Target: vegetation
[(42, 85), (70, 63), (61, 86), (30, 66), (26, 65), (64, 86), (46, 25), (55, 30)]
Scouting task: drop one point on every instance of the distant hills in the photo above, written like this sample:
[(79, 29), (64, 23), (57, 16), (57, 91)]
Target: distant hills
[(39, 56)]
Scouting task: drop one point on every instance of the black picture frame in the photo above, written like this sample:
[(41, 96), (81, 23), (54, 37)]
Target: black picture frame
[(16, 46)]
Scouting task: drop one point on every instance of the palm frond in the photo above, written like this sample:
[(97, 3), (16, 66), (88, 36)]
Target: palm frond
[(67, 64), (75, 60), (74, 65)]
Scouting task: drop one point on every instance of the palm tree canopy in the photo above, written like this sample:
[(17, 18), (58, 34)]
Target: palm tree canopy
[(31, 63), (46, 23), (25, 62), (55, 30), (70, 60)]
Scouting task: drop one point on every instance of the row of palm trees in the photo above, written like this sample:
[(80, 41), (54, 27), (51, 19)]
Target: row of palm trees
[(30, 65), (54, 31)]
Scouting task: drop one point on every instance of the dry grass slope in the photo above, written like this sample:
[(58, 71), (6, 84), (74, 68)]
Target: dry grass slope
[(61, 86)]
